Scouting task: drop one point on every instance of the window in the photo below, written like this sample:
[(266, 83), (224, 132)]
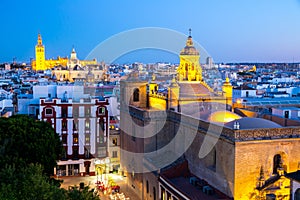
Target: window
[(49, 111), (87, 111), (154, 193), (168, 195), (101, 126), (75, 138), (87, 124), (147, 187), (64, 125), (101, 111), (115, 141), (214, 158), (277, 163), (64, 112), (136, 95), (75, 112), (86, 153), (162, 194), (114, 154), (87, 139), (75, 125)]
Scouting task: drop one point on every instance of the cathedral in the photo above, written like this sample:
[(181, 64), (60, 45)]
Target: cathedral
[(68, 69), (196, 147), (40, 63)]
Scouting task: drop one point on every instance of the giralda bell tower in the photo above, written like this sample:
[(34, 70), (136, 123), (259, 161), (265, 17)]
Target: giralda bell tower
[(40, 54)]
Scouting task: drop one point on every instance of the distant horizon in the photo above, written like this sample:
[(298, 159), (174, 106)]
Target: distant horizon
[(231, 31), (146, 55)]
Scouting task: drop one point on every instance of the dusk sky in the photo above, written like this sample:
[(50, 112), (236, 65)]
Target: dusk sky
[(230, 31)]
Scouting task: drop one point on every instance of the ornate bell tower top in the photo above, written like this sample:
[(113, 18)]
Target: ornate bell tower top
[(189, 68), (39, 41), (189, 49)]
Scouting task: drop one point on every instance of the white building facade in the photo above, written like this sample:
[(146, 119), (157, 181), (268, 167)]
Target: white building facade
[(83, 125)]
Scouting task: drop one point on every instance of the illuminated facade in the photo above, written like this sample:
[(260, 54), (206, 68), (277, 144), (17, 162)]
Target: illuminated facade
[(82, 123), (39, 55), (86, 71), (189, 68), (250, 159), (40, 63)]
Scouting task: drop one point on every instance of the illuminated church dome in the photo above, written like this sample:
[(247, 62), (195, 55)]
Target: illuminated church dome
[(223, 117), (189, 49)]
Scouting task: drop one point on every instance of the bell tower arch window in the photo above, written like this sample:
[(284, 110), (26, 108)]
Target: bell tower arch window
[(277, 163), (136, 95)]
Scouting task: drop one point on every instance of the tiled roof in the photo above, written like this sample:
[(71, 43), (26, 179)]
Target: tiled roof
[(193, 90)]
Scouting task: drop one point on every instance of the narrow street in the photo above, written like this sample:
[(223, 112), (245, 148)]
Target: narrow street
[(91, 181)]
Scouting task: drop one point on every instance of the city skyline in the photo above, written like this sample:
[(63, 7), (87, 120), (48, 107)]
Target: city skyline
[(231, 31)]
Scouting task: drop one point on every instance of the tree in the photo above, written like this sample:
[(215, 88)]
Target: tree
[(24, 140), (28, 183), (29, 150), (75, 193)]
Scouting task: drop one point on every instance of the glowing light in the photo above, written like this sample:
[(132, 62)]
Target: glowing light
[(223, 117), (239, 101)]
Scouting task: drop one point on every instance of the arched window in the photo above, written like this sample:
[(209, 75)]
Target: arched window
[(276, 163), (147, 187), (297, 194), (186, 67), (136, 95)]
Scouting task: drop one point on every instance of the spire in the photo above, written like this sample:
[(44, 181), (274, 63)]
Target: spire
[(40, 42), (261, 179), (261, 174), (189, 41), (73, 54)]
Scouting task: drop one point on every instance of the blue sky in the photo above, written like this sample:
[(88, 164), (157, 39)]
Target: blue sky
[(230, 31)]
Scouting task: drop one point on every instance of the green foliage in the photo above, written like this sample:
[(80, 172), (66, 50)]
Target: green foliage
[(24, 140), (28, 183), (29, 150)]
